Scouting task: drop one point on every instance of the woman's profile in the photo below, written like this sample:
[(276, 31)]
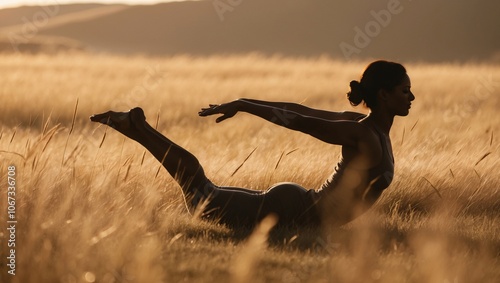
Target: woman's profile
[(364, 171)]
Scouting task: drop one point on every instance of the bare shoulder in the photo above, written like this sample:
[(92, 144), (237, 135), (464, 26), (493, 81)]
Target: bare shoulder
[(362, 139), (369, 143), (361, 131), (340, 132), (352, 116)]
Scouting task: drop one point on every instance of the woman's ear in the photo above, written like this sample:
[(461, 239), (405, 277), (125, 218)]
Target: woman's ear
[(383, 94)]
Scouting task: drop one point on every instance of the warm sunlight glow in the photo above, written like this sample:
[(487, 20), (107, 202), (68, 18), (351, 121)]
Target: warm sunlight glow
[(16, 3), (249, 141)]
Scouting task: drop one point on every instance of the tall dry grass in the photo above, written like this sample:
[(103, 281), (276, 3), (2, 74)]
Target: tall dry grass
[(94, 207)]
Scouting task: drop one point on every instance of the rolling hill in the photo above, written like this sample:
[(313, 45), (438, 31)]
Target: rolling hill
[(399, 30)]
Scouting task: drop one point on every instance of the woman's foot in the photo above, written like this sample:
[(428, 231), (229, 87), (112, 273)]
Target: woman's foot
[(126, 123)]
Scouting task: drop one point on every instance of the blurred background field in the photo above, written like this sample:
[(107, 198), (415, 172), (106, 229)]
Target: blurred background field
[(93, 206)]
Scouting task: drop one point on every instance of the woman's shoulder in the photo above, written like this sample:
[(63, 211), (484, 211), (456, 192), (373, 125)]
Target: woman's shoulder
[(370, 142), (352, 116)]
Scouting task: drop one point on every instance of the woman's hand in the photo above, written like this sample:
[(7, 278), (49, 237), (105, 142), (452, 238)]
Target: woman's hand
[(227, 110)]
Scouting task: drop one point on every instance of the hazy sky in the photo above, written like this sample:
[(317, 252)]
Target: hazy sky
[(14, 3)]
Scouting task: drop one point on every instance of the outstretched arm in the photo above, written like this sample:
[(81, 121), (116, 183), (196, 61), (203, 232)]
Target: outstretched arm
[(307, 111), (343, 132)]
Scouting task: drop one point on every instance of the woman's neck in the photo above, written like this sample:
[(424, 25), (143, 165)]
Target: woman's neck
[(381, 120)]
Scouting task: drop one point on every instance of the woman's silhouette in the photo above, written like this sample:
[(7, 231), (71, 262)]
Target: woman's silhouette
[(365, 169)]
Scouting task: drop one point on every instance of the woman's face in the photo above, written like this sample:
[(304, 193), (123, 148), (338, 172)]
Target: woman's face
[(400, 98)]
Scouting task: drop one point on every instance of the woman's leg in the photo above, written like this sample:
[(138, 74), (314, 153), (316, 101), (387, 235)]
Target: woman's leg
[(181, 164), (229, 205)]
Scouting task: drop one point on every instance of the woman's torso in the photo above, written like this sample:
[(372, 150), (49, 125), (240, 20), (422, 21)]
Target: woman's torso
[(364, 185)]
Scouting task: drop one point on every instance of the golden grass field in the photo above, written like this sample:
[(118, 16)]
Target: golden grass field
[(92, 206)]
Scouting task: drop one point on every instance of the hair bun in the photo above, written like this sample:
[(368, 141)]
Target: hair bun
[(357, 94)]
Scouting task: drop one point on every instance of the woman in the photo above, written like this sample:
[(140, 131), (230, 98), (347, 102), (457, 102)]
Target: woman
[(364, 171)]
